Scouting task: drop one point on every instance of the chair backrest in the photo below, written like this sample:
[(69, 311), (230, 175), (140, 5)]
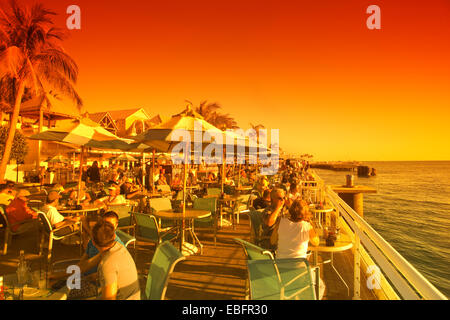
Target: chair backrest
[(209, 204), (124, 213), (45, 222), (3, 217), (125, 237), (146, 226), (253, 252), (164, 188), (160, 204), (256, 221), (280, 279), (164, 260), (227, 189), (213, 191), (244, 201)]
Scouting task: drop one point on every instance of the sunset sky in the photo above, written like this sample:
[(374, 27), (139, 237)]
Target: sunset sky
[(312, 69)]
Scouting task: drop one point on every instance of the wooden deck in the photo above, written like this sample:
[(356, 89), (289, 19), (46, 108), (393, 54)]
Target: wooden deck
[(219, 274)]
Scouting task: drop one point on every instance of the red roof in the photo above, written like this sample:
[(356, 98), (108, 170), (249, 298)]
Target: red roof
[(122, 114)]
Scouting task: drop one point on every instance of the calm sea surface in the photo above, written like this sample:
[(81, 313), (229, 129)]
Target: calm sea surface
[(411, 210)]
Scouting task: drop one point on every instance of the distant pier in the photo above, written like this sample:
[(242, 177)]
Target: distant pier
[(361, 170)]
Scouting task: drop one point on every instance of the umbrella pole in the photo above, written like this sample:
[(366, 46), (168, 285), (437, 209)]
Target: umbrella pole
[(223, 168), (239, 176), (80, 175), (153, 171), (184, 198)]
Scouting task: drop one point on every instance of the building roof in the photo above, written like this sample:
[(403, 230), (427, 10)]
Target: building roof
[(97, 117), (122, 114)]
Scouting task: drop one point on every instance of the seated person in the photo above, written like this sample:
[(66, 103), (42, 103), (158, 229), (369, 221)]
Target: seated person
[(177, 184), (162, 180), (85, 198), (261, 185), (128, 189), (211, 177), (271, 219), (18, 211), (114, 198), (6, 194), (264, 202), (229, 180), (117, 271), (91, 258), (56, 219), (293, 194), (295, 231)]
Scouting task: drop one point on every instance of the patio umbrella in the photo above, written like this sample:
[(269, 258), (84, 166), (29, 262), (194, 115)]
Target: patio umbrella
[(85, 133), (125, 157), (58, 159), (166, 136)]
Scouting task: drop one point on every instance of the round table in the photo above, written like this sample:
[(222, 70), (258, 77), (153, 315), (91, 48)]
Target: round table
[(189, 215), (321, 212), (82, 211), (342, 244)]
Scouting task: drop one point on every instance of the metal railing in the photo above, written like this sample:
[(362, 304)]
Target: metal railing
[(400, 278)]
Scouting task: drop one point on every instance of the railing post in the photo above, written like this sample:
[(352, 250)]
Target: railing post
[(357, 269)]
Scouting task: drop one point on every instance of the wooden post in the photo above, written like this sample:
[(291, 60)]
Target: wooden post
[(80, 175), (354, 196)]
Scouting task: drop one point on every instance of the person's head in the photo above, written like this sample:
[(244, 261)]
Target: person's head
[(10, 184), (112, 190), (111, 217), (4, 188), (299, 211), (95, 164), (293, 188), (53, 198), (23, 195), (277, 195), (103, 235)]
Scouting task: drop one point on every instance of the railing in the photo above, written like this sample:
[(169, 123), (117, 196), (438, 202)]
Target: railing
[(390, 275)]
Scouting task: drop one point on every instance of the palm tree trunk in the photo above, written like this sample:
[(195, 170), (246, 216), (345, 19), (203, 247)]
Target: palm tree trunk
[(12, 130)]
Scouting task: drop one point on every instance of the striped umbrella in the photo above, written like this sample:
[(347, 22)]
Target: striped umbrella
[(85, 133)]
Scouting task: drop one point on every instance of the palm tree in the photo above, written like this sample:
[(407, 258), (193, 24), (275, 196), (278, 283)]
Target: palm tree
[(257, 129), (209, 111), (31, 54)]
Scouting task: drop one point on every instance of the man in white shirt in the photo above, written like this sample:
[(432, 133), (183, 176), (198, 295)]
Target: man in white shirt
[(114, 198), (56, 219)]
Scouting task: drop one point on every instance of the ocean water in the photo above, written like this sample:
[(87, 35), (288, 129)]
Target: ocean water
[(411, 210)]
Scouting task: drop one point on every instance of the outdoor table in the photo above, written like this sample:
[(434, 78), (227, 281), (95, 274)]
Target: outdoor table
[(320, 213), (190, 215), (12, 289), (342, 244), (82, 211), (244, 188)]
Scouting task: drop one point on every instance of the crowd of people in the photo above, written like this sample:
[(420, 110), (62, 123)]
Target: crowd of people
[(287, 225)]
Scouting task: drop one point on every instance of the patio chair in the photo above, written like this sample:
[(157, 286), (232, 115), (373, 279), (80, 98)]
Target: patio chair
[(126, 238), (56, 234), (209, 204), (162, 204), (24, 227), (242, 206), (253, 252), (213, 191), (281, 279), (256, 222), (164, 188), (147, 229), (163, 263)]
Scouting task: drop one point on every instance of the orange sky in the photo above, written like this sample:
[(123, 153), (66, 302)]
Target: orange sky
[(312, 69)]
